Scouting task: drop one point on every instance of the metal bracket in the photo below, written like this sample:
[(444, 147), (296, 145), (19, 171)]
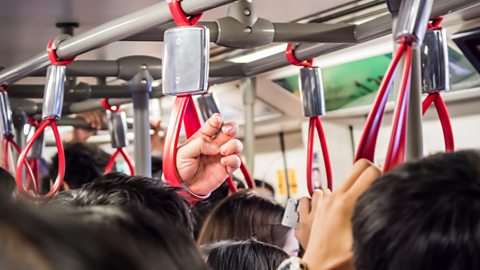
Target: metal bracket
[(412, 20), (242, 28)]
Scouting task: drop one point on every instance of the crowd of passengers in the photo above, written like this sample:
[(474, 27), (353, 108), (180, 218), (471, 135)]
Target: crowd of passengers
[(423, 215)]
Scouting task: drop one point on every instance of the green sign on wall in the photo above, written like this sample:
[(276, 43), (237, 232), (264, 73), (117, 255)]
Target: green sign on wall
[(356, 83)]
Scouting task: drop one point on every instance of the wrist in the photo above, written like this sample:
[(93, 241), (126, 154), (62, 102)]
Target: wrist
[(336, 263), (293, 263)]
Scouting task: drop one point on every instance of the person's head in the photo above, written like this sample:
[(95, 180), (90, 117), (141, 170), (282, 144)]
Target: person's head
[(202, 209), (240, 255), (7, 183), (421, 215), (264, 189), (243, 216), (144, 233), (83, 163), (121, 190), (40, 239)]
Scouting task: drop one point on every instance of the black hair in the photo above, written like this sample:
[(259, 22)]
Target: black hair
[(116, 189), (265, 185), (157, 167), (202, 209), (7, 183), (83, 163), (144, 233), (249, 254), (39, 239), (242, 216), (422, 215)]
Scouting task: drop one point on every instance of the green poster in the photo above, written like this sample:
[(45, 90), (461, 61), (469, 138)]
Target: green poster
[(356, 83)]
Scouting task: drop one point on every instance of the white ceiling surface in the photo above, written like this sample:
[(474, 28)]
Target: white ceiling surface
[(28, 25)]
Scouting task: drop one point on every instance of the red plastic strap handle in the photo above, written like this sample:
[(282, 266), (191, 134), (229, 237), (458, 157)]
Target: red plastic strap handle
[(290, 54), (9, 142), (231, 185), (128, 160), (248, 177), (316, 123), (396, 147), (109, 107), (444, 117), (22, 161), (52, 54), (436, 23), (179, 16), (183, 111), (368, 141)]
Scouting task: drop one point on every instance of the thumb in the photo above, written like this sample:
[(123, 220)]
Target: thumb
[(196, 147)]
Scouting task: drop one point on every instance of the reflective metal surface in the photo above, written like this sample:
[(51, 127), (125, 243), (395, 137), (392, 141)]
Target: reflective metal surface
[(54, 91), (117, 126), (6, 127), (412, 20), (312, 91), (434, 55), (186, 60), (207, 106)]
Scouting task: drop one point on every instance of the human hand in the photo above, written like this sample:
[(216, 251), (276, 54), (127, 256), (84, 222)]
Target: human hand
[(330, 242), (96, 118), (157, 141), (206, 159), (306, 209)]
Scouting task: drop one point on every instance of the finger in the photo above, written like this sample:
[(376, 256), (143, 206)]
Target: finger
[(358, 168), (97, 122), (316, 196), (229, 131), (364, 181), (211, 126), (232, 163), (304, 207), (232, 147), (196, 147)]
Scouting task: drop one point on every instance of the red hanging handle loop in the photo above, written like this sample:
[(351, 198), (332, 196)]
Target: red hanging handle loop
[(109, 107), (183, 111), (368, 141), (248, 177), (127, 159), (396, 148), (316, 123), (119, 151), (52, 54), (290, 54), (179, 16), (444, 117), (232, 187), (436, 23), (22, 161)]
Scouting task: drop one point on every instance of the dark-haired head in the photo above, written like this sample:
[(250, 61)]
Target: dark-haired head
[(143, 233), (120, 190), (422, 215), (243, 216), (84, 163), (240, 255), (7, 183), (40, 239)]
